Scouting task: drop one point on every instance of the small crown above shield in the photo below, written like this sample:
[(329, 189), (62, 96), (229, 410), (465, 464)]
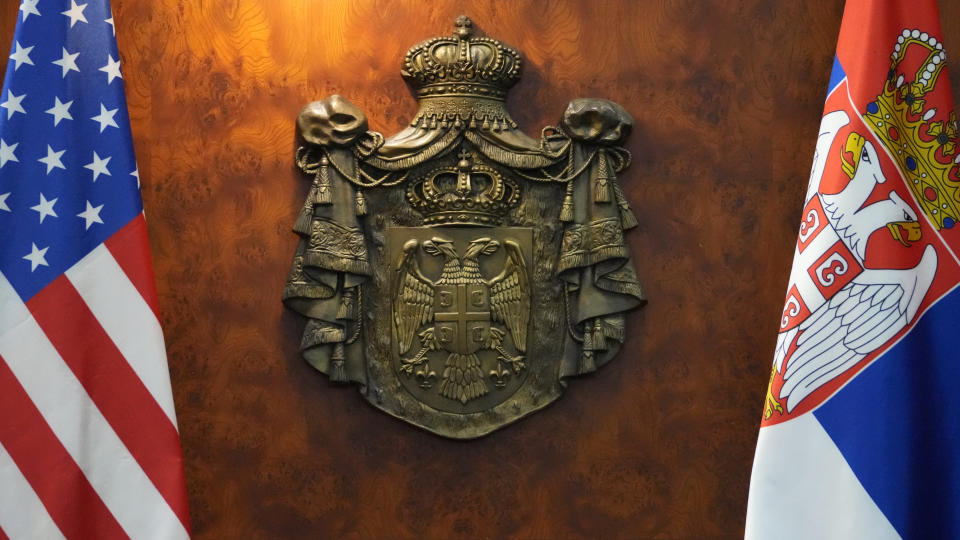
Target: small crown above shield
[(468, 193)]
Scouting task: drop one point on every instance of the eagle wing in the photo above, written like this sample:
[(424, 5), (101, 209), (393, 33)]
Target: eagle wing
[(784, 341), (862, 316), (413, 304), (510, 295), (852, 324)]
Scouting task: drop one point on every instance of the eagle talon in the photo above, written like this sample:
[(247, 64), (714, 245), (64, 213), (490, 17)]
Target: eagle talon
[(428, 344), (406, 366), (771, 403), (516, 362)]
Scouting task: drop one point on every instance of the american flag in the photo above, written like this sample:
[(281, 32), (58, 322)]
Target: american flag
[(89, 446)]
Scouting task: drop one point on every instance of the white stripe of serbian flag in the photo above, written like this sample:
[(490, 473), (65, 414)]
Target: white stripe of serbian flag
[(793, 459), (88, 442)]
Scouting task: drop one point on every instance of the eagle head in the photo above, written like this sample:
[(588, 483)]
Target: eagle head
[(440, 246), (903, 224), (485, 246)]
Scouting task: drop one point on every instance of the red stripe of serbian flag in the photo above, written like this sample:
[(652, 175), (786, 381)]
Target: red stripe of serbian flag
[(88, 442)]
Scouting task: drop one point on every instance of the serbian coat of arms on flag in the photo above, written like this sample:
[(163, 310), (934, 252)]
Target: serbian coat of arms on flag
[(854, 440)]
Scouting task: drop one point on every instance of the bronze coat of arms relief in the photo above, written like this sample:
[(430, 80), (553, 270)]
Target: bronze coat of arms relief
[(460, 271)]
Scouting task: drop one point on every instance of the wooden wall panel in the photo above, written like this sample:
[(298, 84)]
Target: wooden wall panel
[(727, 97)]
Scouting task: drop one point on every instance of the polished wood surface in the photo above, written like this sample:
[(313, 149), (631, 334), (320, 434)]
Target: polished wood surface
[(727, 98)]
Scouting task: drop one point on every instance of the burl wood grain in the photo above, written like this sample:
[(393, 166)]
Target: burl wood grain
[(727, 98)]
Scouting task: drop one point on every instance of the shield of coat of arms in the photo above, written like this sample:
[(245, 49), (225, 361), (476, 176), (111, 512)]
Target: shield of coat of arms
[(461, 271)]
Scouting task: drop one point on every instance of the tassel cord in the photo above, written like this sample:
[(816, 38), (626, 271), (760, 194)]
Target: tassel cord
[(303, 161), (547, 177), (570, 325), (358, 322), (361, 176)]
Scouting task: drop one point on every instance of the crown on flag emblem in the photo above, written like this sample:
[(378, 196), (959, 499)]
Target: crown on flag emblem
[(925, 150)]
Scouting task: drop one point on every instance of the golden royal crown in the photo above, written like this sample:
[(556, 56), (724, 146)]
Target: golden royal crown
[(926, 150), (462, 64), (465, 194), (462, 80)]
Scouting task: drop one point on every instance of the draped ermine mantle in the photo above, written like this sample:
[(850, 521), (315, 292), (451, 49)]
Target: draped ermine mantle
[(461, 271)]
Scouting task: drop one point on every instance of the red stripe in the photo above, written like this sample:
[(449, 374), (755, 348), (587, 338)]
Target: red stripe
[(3, 535), (131, 249), (114, 387), (59, 483)]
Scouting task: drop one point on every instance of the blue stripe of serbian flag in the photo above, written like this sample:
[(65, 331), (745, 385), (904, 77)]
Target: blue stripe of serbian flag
[(89, 446), (860, 437)]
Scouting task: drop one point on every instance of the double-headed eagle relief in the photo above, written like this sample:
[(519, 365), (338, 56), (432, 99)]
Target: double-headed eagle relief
[(460, 271), (459, 308)]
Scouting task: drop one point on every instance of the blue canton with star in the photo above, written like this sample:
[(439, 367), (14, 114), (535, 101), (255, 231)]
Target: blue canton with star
[(68, 177)]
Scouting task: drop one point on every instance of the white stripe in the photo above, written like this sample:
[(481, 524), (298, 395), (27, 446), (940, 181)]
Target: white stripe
[(122, 485), (127, 319), (22, 515), (802, 488)]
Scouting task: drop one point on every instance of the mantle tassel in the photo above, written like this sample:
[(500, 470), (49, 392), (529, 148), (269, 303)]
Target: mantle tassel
[(566, 210), (321, 184), (601, 184), (338, 371)]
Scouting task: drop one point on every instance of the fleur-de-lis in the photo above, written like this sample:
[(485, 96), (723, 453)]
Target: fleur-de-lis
[(500, 375), (424, 376)]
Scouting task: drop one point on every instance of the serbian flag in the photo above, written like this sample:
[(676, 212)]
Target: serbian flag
[(89, 446), (860, 437)]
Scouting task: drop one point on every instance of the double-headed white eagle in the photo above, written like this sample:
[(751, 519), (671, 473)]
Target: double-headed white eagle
[(461, 305), (878, 303)]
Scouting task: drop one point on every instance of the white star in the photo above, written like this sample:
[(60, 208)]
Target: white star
[(45, 208), (110, 22), (13, 104), (98, 166), (52, 160), (136, 174), (112, 69), (106, 118), (21, 56), (91, 215), (29, 7), (60, 110), (68, 62), (37, 257), (6, 153), (3, 201), (75, 13)]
